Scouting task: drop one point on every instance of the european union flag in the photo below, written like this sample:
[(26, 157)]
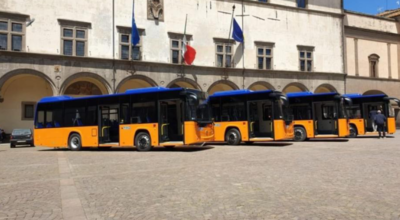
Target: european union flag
[(237, 32), (135, 32)]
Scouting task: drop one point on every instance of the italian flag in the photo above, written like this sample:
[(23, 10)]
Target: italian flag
[(188, 52)]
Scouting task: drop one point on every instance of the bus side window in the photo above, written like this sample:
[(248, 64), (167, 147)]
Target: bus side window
[(40, 120)]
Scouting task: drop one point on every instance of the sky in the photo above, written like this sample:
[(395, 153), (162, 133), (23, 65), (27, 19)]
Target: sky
[(371, 6)]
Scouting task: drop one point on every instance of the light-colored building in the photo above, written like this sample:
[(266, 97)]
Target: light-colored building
[(82, 48), (373, 54)]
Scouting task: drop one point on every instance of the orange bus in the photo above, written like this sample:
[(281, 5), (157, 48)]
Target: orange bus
[(361, 122), (250, 116), (319, 115), (143, 118)]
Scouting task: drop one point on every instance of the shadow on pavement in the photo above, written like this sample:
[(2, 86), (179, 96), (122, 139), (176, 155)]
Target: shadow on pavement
[(371, 137), (158, 149), (328, 140), (257, 144)]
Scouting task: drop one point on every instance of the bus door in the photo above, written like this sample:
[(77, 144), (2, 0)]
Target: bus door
[(370, 109), (326, 118), (104, 125), (109, 124), (171, 123), (260, 119)]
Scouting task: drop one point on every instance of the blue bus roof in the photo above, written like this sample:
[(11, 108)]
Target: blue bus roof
[(308, 94), (238, 92), (356, 95), (129, 91)]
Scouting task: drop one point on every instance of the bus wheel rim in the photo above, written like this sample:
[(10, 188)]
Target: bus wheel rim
[(232, 137), (298, 134), (75, 142), (143, 142)]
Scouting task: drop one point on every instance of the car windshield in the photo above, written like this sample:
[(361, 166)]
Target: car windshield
[(21, 132)]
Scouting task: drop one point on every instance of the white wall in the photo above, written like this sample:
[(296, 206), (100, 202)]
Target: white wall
[(290, 28), (372, 23)]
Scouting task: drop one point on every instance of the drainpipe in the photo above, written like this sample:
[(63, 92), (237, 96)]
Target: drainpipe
[(344, 50), (113, 44)]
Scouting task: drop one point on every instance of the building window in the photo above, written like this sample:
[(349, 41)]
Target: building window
[(74, 41), (373, 65), (265, 57), (302, 3), (12, 35), (176, 45), (306, 58), (176, 50), (224, 54), (74, 38), (28, 110), (127, 50)]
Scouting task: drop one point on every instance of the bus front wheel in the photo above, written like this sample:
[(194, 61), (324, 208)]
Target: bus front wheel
[(300, 134), (353, 131), (74, 142), (143, 142), (233, 137)]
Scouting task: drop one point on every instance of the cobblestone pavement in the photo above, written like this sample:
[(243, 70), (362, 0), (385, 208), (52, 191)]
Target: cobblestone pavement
[(358, 179)]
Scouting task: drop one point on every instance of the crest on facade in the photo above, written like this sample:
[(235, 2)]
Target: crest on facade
[(155, 10)]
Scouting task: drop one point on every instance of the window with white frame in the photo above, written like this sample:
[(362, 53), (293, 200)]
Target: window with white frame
[(306, 55), (224, 53), (12, 32), (176, 45), (126, 50), (74, 38), (265, 56)]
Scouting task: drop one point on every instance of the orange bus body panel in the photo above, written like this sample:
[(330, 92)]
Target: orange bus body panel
[(391, 125), (359, 123), (58, 137), (127, 133), (344, 128), (220, 129), (308, 125), (282, 132), (195, 134)]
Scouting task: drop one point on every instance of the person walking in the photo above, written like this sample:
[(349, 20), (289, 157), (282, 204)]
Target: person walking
[(380, 120), (372, 115)]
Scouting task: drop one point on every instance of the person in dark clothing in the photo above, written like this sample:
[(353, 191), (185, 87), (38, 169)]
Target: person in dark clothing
[(372, 115), (380, 120)]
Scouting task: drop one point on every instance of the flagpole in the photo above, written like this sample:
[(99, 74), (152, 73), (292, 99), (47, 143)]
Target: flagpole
[(230, 29), (184, 41), (243, 39), (113, 43)]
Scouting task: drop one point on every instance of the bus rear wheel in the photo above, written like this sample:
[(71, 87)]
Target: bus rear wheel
[(143, 142), (299, 134), (233, 137), (353, 131), (74, 142)]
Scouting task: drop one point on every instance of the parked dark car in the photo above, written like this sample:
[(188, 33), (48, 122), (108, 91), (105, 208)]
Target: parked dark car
[(21, 137)]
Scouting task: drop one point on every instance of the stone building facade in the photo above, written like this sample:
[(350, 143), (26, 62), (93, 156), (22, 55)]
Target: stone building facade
[(81, 48)]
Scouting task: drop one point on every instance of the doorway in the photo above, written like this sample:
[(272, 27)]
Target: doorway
[(109, 124), (260, 119), (370, 109), (171, 124), (326, 118)]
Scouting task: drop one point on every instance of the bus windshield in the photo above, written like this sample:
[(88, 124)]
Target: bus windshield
[(195, 110), (282, 110)]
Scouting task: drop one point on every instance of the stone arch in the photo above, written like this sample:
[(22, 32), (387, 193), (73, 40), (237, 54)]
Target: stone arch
[(373, 92), (20, 91), (325, 88), (184, 83), (135, 82), (295, 87), (222, 85), (86, 84), (17, 72), (261, 85)]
